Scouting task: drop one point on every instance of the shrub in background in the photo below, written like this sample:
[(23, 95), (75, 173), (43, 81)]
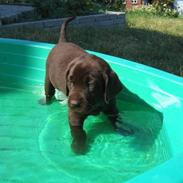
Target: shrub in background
[(13, 1), (57, 8), (155, 10), (162, 2), (60, 8), (115, 5), (165, 7)]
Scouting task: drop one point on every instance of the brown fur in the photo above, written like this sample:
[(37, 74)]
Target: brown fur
[(88, 81)]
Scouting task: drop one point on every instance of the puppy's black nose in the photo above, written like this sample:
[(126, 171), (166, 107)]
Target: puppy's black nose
[(74, 103)]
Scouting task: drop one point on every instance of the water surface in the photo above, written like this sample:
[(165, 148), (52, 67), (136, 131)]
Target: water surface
[(35, 141)]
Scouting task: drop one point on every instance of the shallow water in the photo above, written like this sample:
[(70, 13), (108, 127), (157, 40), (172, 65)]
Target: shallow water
[(35, 142)]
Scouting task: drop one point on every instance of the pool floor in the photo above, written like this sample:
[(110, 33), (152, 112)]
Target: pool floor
[(35, 141)]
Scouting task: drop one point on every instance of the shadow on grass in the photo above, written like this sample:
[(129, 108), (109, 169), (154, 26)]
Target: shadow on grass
[(148, 47), (151, 48)]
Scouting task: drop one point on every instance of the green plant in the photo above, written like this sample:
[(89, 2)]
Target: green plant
[(13, 1), (164, 8), (142, 10), (60, 8), (162, 2), (155, 10), (117, 5)]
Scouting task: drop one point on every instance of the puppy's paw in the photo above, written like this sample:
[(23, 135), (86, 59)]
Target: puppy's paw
[(45, 101), (42, 101), (79, 149), (124, 129), (60, 96)]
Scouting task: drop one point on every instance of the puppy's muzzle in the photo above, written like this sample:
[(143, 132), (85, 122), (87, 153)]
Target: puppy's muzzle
[(75, 103)]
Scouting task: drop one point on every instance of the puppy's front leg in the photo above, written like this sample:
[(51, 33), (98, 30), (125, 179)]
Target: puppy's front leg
[(78, 134), (49, 91), (113, 114)]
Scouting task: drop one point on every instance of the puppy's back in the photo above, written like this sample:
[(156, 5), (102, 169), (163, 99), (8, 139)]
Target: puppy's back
[(60, 57), (58, 61)]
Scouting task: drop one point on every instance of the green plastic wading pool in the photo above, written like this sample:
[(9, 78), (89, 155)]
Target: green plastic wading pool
[(35, 140)]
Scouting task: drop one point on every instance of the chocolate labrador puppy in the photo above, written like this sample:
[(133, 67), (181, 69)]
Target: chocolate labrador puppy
[(88, 81)]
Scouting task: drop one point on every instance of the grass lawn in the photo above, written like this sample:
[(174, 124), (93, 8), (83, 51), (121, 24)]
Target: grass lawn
[(154, 41)]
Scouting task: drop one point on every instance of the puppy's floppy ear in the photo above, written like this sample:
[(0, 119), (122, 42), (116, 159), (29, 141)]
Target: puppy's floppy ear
[(67, 82), (112, 85), (69, 71)]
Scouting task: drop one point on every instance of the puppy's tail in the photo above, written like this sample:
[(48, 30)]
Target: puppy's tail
[(63, 29)]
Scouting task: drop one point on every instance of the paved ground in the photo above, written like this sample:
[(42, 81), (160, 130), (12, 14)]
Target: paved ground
[(9, 15), (8, 11)]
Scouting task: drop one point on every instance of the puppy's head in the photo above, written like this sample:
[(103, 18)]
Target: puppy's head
[(90, 83)]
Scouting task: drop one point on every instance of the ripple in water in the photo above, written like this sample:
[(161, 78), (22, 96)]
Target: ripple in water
[(39, 145)]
